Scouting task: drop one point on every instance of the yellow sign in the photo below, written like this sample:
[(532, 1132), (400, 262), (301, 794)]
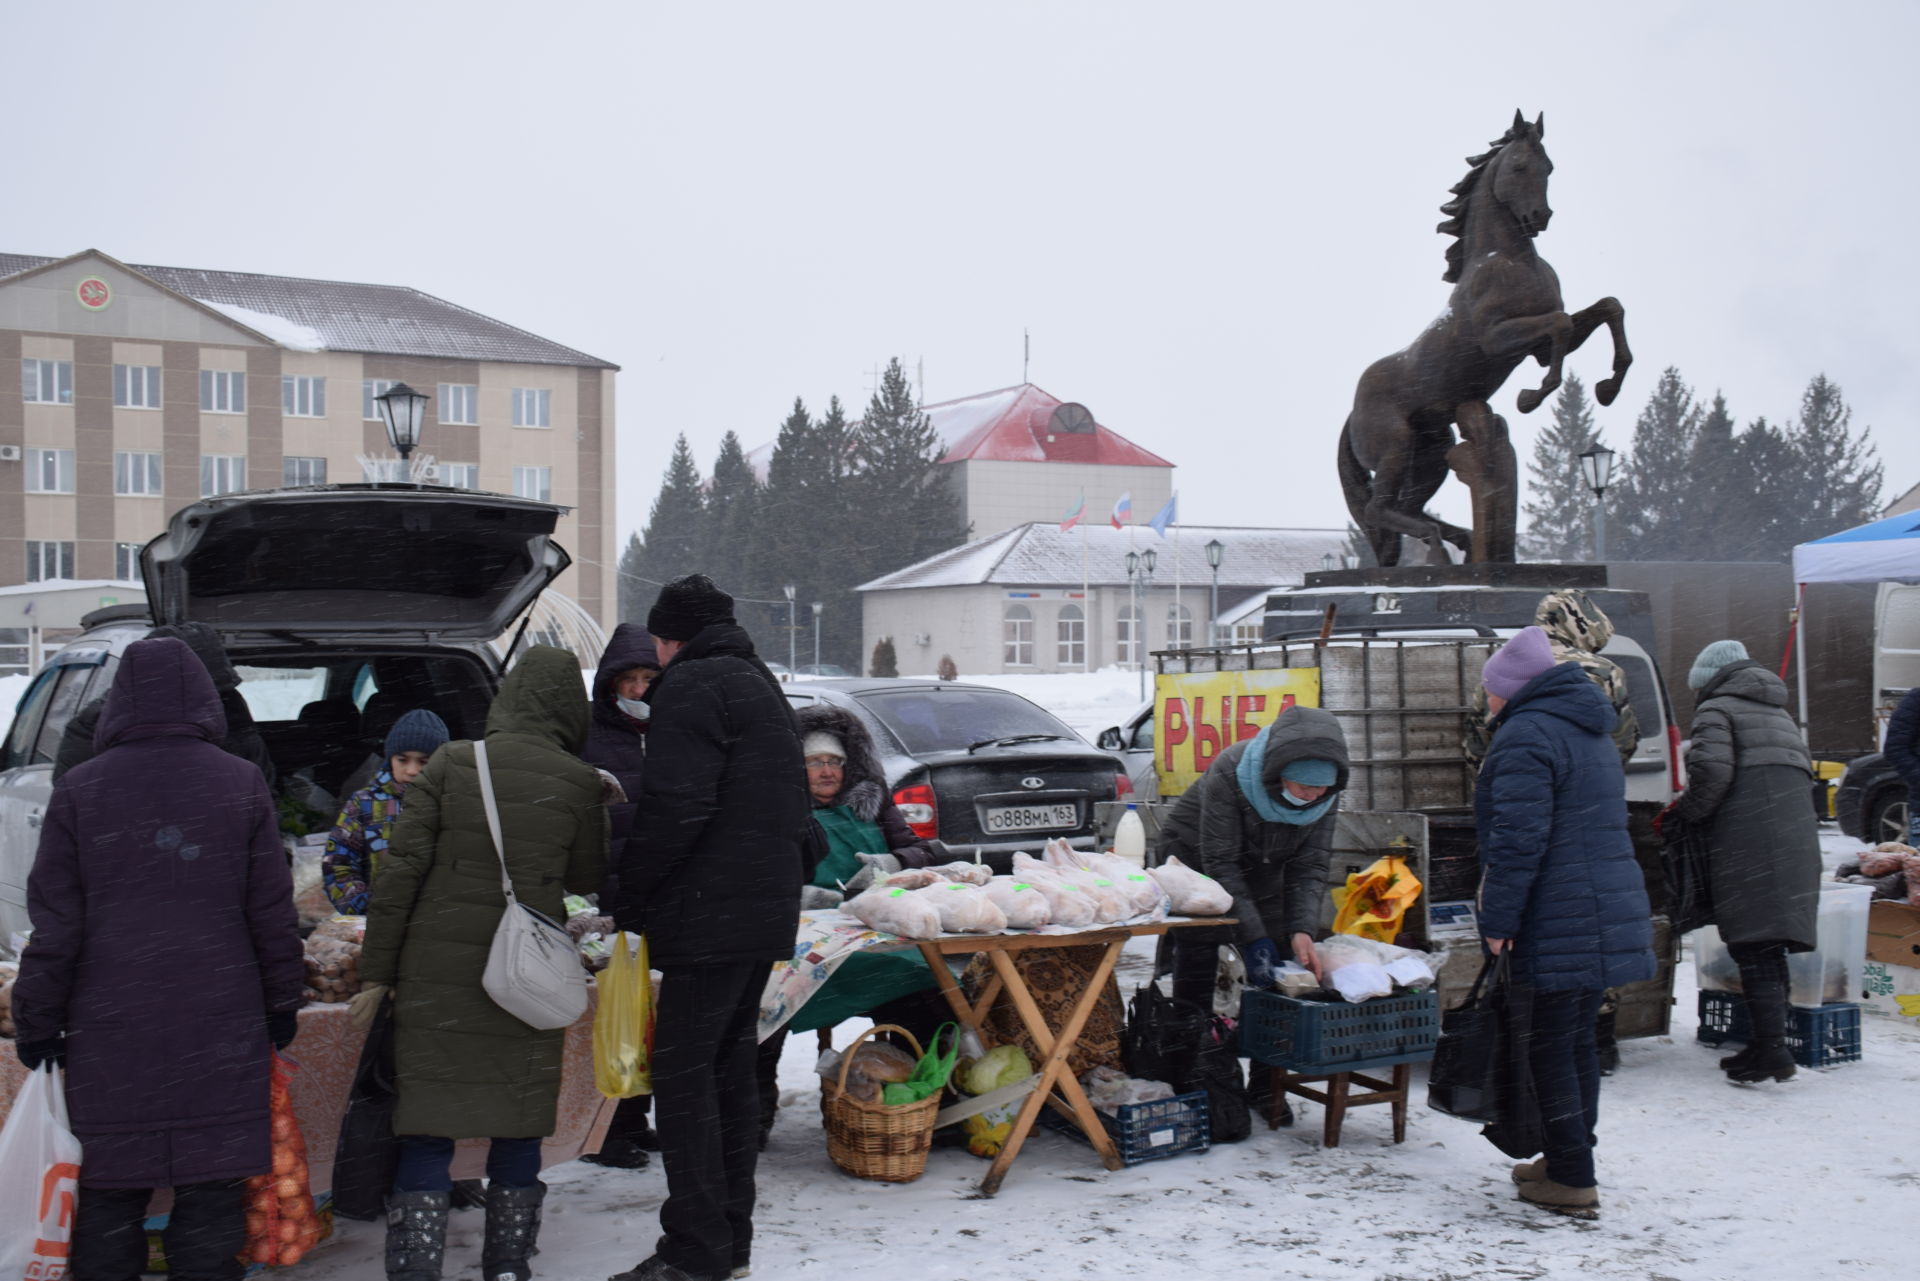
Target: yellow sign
[(1198, 714)]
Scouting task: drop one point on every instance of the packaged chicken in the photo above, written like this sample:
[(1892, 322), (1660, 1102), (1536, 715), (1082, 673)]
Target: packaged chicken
[(912, 878), (1143, 893), (1069, 905), (1191, 893), (964, 873), (963, 909), (894, 910), (1024, 905)]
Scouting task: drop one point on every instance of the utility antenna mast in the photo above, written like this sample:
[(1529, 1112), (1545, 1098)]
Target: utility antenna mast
[(920, 374), (1026, 353)]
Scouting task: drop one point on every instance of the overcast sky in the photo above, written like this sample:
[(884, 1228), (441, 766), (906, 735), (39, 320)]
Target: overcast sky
[(1211, 217)]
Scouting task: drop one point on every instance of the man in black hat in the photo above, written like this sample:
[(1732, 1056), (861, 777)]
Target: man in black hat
[(712, 877)]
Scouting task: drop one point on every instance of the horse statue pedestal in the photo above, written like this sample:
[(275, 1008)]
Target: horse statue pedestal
[(1544, 577)]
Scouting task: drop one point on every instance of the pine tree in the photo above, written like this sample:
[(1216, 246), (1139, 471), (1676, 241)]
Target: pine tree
[(1839, 475), (1560, 509), (885, 661), (733, 528), (1712, 523), (634, 595), (672, 543), (1764, 487), (1646, 506)]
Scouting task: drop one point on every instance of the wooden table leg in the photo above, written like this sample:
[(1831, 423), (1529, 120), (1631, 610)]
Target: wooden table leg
[(970, 1014), (1054, 1073), (1402, 1078), (1337, 1086)]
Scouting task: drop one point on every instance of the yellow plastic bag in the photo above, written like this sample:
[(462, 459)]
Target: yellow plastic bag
[(623, 1023), (1375, 901)]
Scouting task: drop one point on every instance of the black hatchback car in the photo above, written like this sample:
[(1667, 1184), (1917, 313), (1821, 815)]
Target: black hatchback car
[(980, 769)]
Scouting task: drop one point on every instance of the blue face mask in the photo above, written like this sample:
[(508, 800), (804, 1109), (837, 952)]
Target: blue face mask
[(635, 708)]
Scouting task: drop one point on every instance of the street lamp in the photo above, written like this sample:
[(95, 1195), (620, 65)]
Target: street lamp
[(1215, 550), (792, 627), (1139, 577), (817, 607), (1596, 468), (1326, 560), (402, 408)]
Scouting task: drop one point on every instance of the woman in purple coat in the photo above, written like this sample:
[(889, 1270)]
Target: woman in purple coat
[(164, 968)]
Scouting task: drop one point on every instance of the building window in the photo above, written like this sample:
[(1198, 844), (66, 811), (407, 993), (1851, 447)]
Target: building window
[(532, 407), (1017, 635), (136, 475), (460, 475), (459, 404), (533, 482), (126, 562), (222, 474), (1072, 633), (48, 560), (303, 471), (1127, 636), (223, 391), (371, 389), (46, 382), (303, 397), (49, 471), (136, 386), (1179, 627), (1248, 633)]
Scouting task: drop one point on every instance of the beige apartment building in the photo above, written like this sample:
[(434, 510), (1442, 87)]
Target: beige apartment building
[(127, 392)]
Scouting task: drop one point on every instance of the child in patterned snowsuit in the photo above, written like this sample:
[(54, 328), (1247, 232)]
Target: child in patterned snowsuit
[(366, 822)]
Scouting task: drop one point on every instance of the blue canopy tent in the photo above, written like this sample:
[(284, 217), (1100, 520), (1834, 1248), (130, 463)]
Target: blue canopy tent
[(1884, 550)]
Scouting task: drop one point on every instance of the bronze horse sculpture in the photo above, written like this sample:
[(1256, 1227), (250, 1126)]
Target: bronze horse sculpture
[(1398, 444)]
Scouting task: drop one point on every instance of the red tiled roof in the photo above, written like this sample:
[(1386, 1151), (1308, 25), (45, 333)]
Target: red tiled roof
[(1013, 425)]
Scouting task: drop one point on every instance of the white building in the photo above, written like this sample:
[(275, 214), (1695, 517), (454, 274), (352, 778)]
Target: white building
[(1036, 599)]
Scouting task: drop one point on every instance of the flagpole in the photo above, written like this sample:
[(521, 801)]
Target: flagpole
[(1178, 568), (1086, 605)]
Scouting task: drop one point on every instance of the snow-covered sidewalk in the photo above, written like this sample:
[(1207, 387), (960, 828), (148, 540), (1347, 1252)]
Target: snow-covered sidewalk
[(1700, 1180)]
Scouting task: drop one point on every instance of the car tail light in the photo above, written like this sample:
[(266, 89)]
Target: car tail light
[(918, 808), (1122, 786), (1676, 764)]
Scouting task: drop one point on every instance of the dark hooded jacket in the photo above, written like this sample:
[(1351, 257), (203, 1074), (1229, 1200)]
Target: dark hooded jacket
[(1558, 876), (467, 1068), (1276, 872), (1903, 742), (713, 870), (616, 742), (863, 789), (164, 933), (1748, 772), (78, 740)]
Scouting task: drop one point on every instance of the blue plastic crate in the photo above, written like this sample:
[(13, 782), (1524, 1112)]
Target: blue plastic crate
[(1819, 1036), (1149, 1131), (1333, 1036)]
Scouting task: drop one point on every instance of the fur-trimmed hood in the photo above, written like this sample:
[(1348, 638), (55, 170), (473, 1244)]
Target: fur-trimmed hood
[(865, 788)]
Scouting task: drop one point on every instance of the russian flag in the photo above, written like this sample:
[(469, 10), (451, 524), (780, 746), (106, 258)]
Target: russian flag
[(1073, 517), (1123, 510)]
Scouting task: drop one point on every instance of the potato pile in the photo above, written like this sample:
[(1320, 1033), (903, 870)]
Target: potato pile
[(282, 1224), (333, 960), (8, 973)]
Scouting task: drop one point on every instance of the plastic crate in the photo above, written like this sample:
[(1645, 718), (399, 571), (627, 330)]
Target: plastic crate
[(1149, 1131), (1333, 1036), (1819, 1036)]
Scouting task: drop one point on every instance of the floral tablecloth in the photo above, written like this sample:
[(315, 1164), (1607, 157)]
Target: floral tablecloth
[(822, 943), (328, 1050)]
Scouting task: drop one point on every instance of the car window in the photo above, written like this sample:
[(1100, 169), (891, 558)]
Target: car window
[(952, 719), (1142, 736), (278, 693), (68, 691), (26, 720), (1641, 694)]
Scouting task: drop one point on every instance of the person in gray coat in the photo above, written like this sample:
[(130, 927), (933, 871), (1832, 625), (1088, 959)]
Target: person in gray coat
[(1748, 771)]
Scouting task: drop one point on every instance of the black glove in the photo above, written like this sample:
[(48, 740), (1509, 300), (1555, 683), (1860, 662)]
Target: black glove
[(52, 1050), (282, 1028)]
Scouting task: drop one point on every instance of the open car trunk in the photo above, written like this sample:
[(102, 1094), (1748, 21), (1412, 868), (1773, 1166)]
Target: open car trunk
[(364, 560)]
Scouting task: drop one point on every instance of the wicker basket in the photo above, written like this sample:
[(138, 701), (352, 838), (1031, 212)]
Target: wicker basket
[(876, 1141)]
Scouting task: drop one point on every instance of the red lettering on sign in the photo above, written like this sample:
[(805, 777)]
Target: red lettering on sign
[(1209, 744), (1250, 706), (1173, 730)]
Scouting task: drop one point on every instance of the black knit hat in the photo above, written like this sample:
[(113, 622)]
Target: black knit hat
[(686, 605)]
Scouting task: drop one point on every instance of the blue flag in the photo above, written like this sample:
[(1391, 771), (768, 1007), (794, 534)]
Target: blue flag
[(1166, 516)]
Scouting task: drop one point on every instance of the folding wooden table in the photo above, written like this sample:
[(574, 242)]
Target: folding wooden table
[(1053, 1074)]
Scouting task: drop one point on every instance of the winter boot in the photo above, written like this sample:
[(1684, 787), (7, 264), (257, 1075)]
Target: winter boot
[(513, 1225), (416, 1235), (1578, 1203), (1604, 1043), (1738, 1059), (1768, 1055), (1530, 1171), (1772, 1061)]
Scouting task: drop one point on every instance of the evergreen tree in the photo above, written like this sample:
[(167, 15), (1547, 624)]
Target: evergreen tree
[(1763, 495), (634, 596), (674, 539), (1713, 521), (1560, 509), (733, 530), (1647, 504), (885, 661), (1839, 476)]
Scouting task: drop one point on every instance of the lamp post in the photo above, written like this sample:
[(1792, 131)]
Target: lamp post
[(817, 607), (1327, 561), (1139, 578), (792, 627), (1215, 550), (402, 408), (1596, 468)]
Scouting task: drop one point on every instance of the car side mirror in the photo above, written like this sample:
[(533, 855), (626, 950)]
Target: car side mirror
[(1110, 740)]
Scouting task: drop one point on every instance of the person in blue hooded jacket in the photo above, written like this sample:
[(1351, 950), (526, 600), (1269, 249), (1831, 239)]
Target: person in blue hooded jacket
[(1560, 888)]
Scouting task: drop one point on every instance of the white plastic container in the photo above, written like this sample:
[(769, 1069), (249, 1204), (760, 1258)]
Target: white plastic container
[(1833, 971), (1130, 843)]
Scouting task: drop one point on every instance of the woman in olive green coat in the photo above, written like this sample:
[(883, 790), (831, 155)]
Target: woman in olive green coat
[(465, 1067)]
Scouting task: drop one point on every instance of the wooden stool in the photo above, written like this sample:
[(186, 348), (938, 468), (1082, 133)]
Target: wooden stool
[(1337, 1098)]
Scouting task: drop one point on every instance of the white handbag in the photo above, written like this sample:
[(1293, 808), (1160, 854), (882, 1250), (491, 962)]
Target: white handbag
[(533, 968)]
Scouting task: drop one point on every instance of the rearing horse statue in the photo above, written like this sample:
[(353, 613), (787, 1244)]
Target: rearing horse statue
[(1398, 442)]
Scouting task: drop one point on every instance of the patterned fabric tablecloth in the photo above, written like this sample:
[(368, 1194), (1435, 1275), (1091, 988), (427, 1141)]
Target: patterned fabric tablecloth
[(328, 1050)]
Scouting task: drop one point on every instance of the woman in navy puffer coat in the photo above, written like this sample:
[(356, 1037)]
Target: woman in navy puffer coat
[(1561, 888)]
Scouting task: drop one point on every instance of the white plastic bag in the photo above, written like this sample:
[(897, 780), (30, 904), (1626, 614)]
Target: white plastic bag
[(1072, 907), (39, 1179), (1024, 905), (1191, 893), (893, 910)]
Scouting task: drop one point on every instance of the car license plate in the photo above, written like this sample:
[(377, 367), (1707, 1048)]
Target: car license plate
[(1031, 818)]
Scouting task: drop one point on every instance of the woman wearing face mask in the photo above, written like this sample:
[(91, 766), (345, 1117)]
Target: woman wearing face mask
[(617, 743)]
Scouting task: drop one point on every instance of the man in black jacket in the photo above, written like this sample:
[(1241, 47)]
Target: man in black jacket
[(711, 875), (1903, 753)]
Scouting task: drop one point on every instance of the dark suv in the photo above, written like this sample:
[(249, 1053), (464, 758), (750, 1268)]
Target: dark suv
[(981, 769), (341, 606)]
